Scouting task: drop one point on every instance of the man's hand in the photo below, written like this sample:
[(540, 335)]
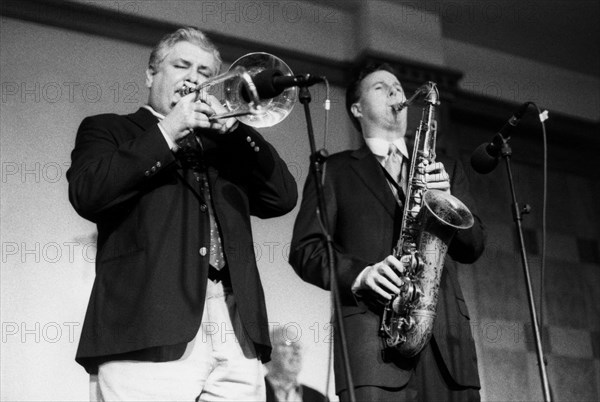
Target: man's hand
[(225, 125), (382, 279), (437, 178), (189, 114)]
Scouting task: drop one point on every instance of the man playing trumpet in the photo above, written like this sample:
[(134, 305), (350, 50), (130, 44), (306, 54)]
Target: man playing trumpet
[(177, 311)]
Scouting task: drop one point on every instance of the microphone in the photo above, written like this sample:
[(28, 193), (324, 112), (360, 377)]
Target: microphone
[(485, 157), (271, 82)]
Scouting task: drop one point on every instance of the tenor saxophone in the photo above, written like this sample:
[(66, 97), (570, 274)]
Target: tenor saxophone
[(430, 220)]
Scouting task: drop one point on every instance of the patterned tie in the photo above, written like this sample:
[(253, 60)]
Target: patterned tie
[(191, 156), (216, 259), (394, 165)]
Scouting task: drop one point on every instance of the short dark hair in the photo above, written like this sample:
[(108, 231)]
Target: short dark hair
[(353, 89)]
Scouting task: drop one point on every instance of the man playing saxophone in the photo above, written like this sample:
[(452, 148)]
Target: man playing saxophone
[(364, 195)]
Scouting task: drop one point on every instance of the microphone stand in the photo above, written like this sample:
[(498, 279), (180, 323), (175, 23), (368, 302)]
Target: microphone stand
[(317, 160), (506, 153)]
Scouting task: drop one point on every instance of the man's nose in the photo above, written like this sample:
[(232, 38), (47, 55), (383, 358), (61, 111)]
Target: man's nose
[(397, 93), (193, 77)]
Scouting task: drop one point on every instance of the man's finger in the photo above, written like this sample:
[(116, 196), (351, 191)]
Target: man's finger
[(441, 185), (435, 177)]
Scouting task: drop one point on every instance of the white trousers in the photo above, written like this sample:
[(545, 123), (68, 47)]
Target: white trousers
[(219, 364)]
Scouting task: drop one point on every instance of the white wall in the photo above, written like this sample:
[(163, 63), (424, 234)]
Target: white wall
[(307, 27), (395, 29), (516, 79)]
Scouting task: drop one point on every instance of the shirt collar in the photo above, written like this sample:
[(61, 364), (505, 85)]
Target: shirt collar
[(154, 112), (380, 147), (282, 383), (285, 385)]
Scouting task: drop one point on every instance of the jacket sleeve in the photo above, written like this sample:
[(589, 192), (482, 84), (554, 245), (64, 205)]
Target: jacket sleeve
[(308, 253), (110, 166), (272, 190)]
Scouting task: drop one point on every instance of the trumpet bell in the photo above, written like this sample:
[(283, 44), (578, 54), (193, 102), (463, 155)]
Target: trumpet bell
[(260, 112)]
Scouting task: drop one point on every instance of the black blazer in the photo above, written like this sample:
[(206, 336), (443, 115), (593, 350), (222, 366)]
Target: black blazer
[(151, 271), (308, 394), (365, 223)]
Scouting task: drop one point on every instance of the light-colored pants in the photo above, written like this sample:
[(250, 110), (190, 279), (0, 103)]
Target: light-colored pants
[(219, 364)]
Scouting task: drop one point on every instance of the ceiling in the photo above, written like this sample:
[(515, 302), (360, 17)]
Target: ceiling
[(560, 33), (563, 33)]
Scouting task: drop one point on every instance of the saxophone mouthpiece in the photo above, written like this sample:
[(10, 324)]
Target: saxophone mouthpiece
[(397, 107), (427, 90)]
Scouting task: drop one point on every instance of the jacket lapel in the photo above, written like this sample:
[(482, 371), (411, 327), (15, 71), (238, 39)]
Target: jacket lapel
[(366, 166), (145, 120)]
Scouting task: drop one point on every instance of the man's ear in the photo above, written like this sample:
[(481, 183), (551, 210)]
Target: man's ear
[(149, 77), (356, 110)]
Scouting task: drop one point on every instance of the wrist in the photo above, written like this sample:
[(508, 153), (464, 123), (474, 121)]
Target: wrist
[(358, 282), (174, 131), (169, 139)]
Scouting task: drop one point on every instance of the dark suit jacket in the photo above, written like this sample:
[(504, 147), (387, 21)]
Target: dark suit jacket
[(152, 222), (308, 394), (365, 223)]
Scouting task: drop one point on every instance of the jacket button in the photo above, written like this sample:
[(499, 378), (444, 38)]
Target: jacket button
[(202, 251), (203, 207), (158, 164), (153, 169), (146, 173)]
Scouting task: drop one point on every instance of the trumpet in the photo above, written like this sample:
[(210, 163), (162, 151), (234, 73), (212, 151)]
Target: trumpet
[(241, 96)]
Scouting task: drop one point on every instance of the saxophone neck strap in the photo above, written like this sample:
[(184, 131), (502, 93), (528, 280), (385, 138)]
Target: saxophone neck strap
[(399, 190)]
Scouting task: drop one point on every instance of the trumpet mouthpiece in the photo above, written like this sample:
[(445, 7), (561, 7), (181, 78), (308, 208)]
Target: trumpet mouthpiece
[(187, 89)]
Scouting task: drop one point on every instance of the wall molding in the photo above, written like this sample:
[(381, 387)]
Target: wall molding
[(145, 31)]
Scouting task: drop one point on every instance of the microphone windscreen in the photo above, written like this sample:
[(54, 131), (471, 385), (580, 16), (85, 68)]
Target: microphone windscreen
[(263, 81), (481, 160)]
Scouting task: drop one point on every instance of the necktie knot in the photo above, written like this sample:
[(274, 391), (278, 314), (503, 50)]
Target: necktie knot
[(190, 152)]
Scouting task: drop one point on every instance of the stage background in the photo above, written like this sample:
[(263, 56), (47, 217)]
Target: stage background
[(63, 61)]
